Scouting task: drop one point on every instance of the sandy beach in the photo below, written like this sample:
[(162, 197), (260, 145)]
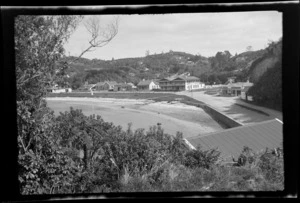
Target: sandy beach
[(174, 116)]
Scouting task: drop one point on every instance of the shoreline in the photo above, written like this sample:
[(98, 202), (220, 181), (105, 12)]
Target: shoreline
[(142, 113)]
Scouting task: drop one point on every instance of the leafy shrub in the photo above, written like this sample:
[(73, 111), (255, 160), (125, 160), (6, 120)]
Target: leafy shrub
[(44, 168), (272, 165), (199, 158)]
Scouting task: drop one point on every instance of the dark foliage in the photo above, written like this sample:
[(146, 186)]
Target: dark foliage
[(268, 90), (199, 158)]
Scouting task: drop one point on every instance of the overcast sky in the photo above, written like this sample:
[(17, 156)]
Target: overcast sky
[(195, 33)]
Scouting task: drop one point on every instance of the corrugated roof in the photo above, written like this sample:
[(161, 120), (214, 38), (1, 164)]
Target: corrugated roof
[(144, 82), (89, 85), (188, 78), (172, 77), (182, 76), (111, 82), (131, 84), (100, 83), (240, 84), (122, 85), (230, 142), (245, 89)]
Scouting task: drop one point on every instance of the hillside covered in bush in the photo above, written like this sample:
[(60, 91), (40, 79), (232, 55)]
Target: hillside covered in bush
[(262, 67), (210, 70)]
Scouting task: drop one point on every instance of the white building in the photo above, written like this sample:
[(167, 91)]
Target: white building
[(59, 90)]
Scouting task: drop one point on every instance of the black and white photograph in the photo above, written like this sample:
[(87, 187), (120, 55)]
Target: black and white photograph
[(149, 102)]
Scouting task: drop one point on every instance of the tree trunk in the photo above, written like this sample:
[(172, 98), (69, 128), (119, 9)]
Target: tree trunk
[(85, 157)]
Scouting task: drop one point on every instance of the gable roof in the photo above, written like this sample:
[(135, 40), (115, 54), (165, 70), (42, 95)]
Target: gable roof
[(230, 142), (155, 82), (89, 86), (240, 84), (189, 78), (123, 85), (246, 88), (111, 82), (179, 78), (172, 77), (144, 83), (100, 83), (164, 79), (131, 84), (182, 77)]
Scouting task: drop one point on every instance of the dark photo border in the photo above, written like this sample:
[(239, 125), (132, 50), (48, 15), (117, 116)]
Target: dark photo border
[(290, 67)]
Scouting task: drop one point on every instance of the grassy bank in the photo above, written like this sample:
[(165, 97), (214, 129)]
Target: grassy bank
[(253, 109), (158, 97), (268, 105)]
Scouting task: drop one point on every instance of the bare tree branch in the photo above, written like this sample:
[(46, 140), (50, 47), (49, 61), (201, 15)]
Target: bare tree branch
[(99, 36)]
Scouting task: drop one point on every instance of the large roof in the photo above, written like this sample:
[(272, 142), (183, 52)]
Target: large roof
[(230, 142), (171, 77), (188, 78), (100, 83), (89, 85), (182, 76), (111, 82), (145, 82), (239, 84), (123, 85)]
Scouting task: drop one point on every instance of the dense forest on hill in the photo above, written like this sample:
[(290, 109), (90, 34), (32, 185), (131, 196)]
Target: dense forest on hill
[(210, 70)]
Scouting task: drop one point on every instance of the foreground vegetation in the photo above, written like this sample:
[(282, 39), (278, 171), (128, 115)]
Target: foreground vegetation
[(80, 154)]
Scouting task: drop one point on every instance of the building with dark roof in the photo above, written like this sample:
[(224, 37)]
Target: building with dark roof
[(236, 89), (122, 87), (100, 86), (148, 85), (107, 85), (230, 142)]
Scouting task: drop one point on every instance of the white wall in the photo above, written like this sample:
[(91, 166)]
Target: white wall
[(59, 90), (193, 85), (152, 86), (62, 90)]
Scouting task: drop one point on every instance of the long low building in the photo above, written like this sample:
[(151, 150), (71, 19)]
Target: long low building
[(59, 90), (123, 87), (236, 88), (107, 85), (180, 83), (230, 142)]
